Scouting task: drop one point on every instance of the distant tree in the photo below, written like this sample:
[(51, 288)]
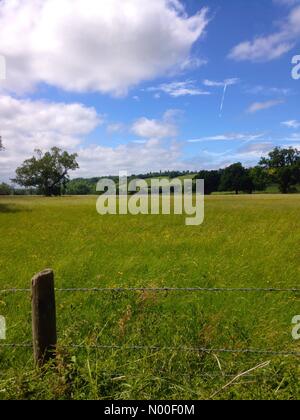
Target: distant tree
[(5, 189), (247, 183), (1, 144), (212, 181), (47, 172), (260, 178), (236, 178), (279, 158), (25, 191), (283, 166), (81, 187)]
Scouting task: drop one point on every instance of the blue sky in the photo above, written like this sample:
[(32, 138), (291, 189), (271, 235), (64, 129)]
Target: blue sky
[(139, 86)]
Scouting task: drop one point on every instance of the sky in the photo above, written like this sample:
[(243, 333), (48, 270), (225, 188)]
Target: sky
[(143, 86)]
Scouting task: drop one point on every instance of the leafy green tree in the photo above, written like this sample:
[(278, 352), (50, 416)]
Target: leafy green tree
[(47, 172), (279, 158), (212, 181), (260, 178), (283, 166), (247, 184), (236, 178), (5, 189)]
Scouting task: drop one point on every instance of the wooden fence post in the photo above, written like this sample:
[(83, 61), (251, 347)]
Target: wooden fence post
[(43, 317)]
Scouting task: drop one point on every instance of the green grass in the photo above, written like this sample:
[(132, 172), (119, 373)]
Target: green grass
[(245, 241)]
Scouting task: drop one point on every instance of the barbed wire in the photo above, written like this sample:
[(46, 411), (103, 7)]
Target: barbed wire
[(15, 345), (191, 349), (158, 348), (208, 375), (14, 291), (163, 289)]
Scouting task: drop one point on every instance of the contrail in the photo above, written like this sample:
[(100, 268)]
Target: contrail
[(225, 84), (223, 99)]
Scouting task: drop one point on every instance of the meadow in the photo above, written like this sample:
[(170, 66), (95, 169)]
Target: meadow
[(245, 241)]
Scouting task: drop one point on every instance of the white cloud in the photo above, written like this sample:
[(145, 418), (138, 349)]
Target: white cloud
[(260, 106), (155, 129), (155, 150), (214, 160), (228, 137), (295, 137), (179, 89), (151, 155), (26, 125), (294, 146), (90, 45), (256, 149), (191, 63), (291, 124), (273, 46), (248, 154), (227, 82)]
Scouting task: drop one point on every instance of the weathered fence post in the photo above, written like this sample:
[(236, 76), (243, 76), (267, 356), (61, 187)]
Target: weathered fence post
[(43, 317)]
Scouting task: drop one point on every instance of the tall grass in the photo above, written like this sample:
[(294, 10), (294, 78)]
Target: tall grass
[(244, 242)]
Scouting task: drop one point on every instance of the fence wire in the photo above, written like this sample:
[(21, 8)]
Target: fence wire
[(209, 375), (158, 348), (163, 289)]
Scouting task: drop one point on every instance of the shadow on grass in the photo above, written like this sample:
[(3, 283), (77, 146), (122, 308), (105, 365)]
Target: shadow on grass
[(11, 208)]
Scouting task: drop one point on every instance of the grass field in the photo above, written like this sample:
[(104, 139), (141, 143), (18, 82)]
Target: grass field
[(245, 241)]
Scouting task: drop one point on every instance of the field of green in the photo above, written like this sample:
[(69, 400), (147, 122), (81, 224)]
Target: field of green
[(245, 241)]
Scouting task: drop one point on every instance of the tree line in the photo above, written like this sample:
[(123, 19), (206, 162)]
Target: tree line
[(48, 174)]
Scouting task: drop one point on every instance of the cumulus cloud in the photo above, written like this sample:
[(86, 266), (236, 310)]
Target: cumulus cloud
[(144, 127), (151, 155), (106, 46), (26, 125), (156, 149), (273, 46)]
